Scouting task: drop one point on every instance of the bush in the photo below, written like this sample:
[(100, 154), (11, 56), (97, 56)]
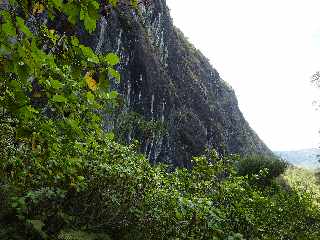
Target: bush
[(116, 193), (261, 169), (270, 212)]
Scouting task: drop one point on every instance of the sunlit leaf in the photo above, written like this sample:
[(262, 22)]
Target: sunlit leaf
[(74, 41), (89, 54), (113, 2), (89, 24), (112, 59), (91, 83), (59, 98), (90, 97), (134, 3), (110, 136), (115, 74), (113, 94), (55, 84), (37, 8)]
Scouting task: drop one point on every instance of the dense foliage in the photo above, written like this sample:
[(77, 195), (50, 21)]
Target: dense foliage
[(305, 181), (261, 169), (63, 177)]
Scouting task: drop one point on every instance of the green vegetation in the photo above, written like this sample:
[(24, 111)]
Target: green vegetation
[(304, 181), (63, 177), (261, 169)]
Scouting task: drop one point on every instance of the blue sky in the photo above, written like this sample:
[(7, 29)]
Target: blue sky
[(267, 50)]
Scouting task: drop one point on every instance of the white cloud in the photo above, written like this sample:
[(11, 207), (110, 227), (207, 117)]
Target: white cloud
[(267, 50)]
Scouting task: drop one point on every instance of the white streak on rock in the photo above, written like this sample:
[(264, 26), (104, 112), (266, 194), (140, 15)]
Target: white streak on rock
[(119, 41), (151, 146), (103, 26), (140, 96), (152, 105), (129, 94), (162, 111), (157, 149), (127, 61)]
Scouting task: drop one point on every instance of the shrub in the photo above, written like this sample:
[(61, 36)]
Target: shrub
[(116, 193), (261, 169)]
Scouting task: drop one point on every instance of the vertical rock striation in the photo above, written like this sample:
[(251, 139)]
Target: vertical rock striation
[(165, 78)]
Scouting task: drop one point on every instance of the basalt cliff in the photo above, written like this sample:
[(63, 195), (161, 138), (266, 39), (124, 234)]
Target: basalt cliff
[(166, 80)]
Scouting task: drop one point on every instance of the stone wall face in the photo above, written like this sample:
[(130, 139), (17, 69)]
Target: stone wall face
[(164, 78)]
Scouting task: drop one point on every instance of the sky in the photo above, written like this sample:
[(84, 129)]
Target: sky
[(267, 50)]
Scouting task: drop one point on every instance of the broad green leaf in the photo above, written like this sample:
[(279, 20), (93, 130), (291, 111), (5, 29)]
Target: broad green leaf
[(90, 24), (55, 84), (104, 83), (115, 74), (90, 97), (72, 11), (83, 13), (59, 98), (89, 15), (95, 5), (89, 54), (112, 59), (74, 41), (113, 94)]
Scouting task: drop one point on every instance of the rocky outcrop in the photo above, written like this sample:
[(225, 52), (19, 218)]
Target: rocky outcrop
[(165, 78)]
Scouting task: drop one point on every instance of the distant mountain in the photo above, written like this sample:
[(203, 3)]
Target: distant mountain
[(306, 158)]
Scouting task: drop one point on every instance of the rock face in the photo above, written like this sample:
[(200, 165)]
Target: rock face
[(165, 78)]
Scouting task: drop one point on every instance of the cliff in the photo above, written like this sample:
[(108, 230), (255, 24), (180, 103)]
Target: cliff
[(165, 79)]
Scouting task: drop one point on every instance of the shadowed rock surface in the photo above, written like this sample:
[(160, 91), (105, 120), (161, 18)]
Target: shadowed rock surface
[(164, 78)]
